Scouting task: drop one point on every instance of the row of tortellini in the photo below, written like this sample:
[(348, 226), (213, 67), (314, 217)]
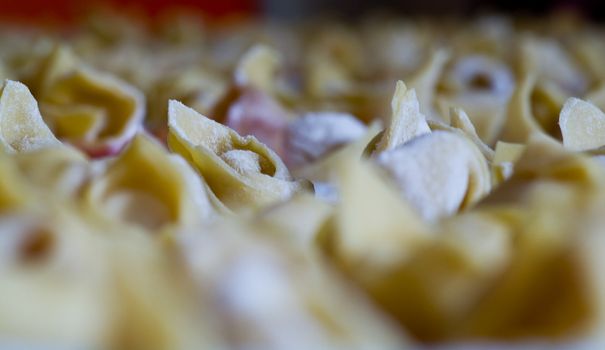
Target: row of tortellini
[(479, 65), (190, 200)]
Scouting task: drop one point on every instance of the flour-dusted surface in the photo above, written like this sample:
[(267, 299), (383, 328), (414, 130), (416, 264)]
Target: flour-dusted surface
[(431, 172)]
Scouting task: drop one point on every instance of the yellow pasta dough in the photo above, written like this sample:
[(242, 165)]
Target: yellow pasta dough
[(95, 110), (239, 170), (257, 68), (147, 187), (21, 126), (406, 121), (144, 203), (270, 293), (582, 125)]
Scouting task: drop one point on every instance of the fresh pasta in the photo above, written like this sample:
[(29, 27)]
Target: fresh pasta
[(389, 184)]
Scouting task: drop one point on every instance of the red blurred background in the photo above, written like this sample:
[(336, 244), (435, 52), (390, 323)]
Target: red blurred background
[(67, 11)]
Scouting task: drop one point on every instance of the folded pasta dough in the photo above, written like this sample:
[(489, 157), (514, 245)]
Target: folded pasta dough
[(257, 68), (22, 128), (285, 219), (461, 124), (14, 192), (460, 120), (388, 231), (325, 77), (438, 173), (552, 276), (241, 171), (99, 282), (257, 113), (481, 86), (505, 157), (94, 111), (545, 161), (589, 49), (479, 74), (196, 87), (508, 152), (596, 96), (533, 108), (145, 272), (551, 63), (332, 60), (425, 82), (53, 267), (487, 112), (60, 172), (407, 122), (552, 280), (582, 125), (326, 171), (395, 47), (268, 294), (148, 187), (399, 260), (251, 106), (56, 64), (342, 44), (431, 291)]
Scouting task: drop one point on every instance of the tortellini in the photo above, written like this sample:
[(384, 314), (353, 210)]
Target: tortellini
[(551, 250), (147, 187), (239, 170), (482, 87), (95, 111), (55, 263), (257, 68), (439, 172)]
